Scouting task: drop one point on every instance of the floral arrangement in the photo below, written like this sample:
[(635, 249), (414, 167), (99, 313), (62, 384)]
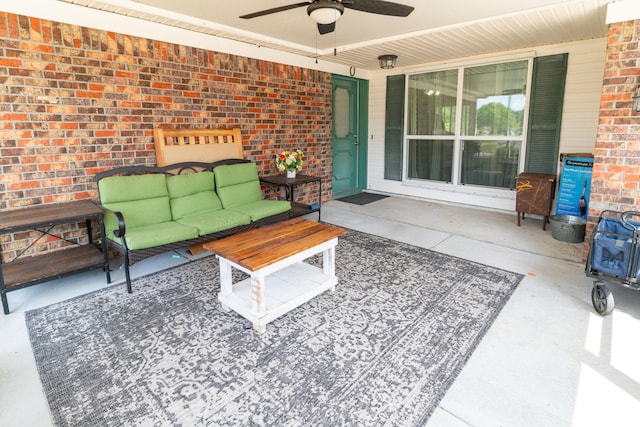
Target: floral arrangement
[(289, 160)]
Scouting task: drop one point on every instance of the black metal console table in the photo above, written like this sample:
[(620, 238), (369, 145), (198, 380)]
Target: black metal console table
[(297, 209), (27, 271)]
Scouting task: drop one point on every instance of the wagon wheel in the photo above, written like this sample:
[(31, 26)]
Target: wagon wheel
[(602, 299)]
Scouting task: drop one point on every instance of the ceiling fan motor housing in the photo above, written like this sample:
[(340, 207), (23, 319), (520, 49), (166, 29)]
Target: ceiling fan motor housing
[(325, 11)]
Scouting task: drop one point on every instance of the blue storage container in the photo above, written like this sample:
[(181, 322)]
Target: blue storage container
[(613, 247)]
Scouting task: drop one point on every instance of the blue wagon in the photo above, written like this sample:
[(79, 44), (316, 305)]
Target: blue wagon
[(614, 256)]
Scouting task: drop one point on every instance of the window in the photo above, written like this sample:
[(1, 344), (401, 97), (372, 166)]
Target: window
[(493, 121), (431, 125), (481, 147)]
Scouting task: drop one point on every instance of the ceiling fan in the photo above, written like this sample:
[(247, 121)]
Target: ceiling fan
[(326, 12)]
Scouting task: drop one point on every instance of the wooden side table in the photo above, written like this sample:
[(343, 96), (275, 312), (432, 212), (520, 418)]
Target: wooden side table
[(297, 209), (23, 272), (534, 195)]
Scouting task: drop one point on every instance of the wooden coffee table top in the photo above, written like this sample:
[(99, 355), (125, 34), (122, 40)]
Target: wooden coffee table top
[(261, 247)]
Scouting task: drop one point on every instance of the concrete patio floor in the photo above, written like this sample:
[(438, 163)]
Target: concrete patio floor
[(548, 360)]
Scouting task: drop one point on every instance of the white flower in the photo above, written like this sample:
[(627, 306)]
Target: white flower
[(287, 160)]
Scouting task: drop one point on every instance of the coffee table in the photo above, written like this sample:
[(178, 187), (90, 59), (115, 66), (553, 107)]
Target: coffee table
[(273, 256)]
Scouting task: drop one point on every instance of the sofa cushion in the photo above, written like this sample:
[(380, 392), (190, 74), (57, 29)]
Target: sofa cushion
[(142, 199), (191, 194), (263, 208), (149, 236), (135, 187), (137, 213), (237, 184), (215, 221), (190, 183)]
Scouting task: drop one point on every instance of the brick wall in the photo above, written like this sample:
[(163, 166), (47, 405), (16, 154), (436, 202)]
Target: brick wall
[(75, 101), (616, 170)]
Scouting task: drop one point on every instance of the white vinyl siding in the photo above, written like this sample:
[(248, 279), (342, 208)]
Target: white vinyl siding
[(578, 131)]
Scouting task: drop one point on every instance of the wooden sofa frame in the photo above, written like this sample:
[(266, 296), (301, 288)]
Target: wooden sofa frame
[(133, 256)]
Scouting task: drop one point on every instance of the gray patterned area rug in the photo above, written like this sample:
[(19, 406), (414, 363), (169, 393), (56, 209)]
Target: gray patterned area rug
[(382, 350)]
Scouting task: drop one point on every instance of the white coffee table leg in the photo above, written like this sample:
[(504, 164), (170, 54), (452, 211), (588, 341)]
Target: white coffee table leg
[(329, 264), (259, 304), (226, 284)]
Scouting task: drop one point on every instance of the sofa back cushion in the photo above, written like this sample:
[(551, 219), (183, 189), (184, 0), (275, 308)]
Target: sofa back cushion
[(192, 194), (237, 184), (142, 199)]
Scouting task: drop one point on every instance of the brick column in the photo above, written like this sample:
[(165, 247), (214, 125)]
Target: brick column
[(616, 169)]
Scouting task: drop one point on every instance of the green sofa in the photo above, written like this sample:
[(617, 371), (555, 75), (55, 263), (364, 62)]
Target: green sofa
[(150, 210)]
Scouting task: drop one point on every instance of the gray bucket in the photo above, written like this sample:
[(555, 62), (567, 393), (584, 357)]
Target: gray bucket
[(568, 228)]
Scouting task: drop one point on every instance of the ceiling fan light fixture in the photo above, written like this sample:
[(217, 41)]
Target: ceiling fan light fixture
[(325, 11), (387, 61)]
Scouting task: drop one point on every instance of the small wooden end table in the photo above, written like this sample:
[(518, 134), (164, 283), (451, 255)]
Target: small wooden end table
[(28, 271), (297, 209), (273, 257)]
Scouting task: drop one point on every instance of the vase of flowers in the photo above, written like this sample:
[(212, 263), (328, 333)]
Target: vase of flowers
[(290, 161)]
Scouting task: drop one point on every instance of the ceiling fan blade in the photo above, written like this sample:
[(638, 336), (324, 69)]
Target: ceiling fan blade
[(275, 10), (326, 28), (379, 7)]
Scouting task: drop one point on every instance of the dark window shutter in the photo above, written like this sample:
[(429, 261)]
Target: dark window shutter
[(393, 133), (545, 113)]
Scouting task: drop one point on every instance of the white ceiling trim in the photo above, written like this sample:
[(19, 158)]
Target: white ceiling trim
[(167, 17), (154, 14), (481, 38), (623, 10), (452, 27), (68, 13), (563, 22)]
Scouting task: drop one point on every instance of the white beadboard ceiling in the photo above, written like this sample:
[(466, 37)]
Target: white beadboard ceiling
[(433, 32)]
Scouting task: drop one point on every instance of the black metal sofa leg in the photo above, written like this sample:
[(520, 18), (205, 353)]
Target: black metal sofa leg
[(127, 275)]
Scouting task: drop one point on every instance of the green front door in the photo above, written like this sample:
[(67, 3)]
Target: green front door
[(349, 135)]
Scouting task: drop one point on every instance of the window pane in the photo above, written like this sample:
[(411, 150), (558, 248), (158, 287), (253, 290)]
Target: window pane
[(430, 159), (432, 103), (490, 163), (341, 112), (494, 99)]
